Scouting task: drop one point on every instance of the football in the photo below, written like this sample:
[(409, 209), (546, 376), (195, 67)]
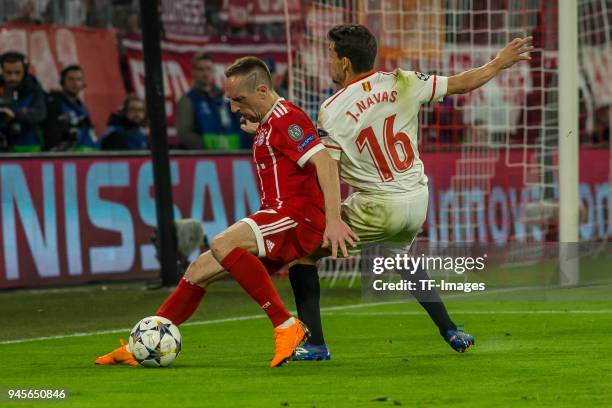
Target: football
[(155, 342)]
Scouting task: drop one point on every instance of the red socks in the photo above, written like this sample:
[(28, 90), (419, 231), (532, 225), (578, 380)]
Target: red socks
[(248, 271), (181, 303), (252, 275)]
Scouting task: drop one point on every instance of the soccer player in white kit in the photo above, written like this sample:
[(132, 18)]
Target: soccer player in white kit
[(370, 127)]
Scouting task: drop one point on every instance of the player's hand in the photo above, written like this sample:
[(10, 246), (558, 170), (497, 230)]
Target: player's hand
[(337, 234), (515, 51), (8, 112), (248, 126)]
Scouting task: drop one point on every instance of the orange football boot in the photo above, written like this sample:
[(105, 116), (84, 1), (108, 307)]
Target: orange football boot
[(286, 340), (119, 355)]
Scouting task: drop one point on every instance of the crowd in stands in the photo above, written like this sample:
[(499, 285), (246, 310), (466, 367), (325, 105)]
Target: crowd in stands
[(75, 13), (123, 15), (33, 120)]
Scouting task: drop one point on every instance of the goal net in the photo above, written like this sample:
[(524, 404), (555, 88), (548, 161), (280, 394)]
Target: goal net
[(499, 143)]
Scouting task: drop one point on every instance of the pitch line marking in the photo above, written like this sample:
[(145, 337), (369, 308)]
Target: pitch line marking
[(480, 312), (198, 323), (331, 309)]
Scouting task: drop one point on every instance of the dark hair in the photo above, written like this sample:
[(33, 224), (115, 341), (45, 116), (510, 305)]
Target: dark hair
[(252, 66), (14, 56), (129, 99), (68, 69), (200, 56), (356, 43)]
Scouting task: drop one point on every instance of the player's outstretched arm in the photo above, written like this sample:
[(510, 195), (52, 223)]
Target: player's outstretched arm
[(337, 232), (512, 53)]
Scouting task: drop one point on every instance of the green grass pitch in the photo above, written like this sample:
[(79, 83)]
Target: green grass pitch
[(537, 353)]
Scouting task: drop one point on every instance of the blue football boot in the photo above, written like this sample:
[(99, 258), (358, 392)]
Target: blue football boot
[(311, 352), (459, 340)]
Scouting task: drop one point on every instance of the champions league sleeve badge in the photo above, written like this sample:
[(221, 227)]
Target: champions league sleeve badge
[(295, 133), (422, 76)]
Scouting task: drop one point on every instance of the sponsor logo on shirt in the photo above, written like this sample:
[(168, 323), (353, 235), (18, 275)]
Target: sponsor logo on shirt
[(305, 143), (295, 133)]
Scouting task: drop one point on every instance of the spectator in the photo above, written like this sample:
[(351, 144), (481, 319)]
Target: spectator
[(68, 125), (126, 128), (22, 105), (68, 12), (203, 116), (23, 11)]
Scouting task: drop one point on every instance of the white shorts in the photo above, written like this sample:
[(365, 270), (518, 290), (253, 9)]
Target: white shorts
[(377, 217)]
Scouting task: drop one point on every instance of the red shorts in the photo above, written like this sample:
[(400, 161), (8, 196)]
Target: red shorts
[(282, 239)]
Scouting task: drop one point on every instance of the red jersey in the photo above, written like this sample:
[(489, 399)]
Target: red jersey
[(284, 142)]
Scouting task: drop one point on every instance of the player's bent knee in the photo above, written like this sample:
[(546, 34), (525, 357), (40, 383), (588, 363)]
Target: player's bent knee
[(222, 245), (239, 236)]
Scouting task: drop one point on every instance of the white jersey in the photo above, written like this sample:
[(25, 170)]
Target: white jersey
[(371, 126)]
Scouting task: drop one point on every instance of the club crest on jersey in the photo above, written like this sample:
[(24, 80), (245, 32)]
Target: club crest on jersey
[(367, 86), (260, 138), (422, 76), (295, 133)]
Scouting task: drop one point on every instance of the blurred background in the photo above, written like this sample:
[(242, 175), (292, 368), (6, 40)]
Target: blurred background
[(76, 181)]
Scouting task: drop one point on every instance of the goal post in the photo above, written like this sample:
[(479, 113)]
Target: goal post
[(568, 144)]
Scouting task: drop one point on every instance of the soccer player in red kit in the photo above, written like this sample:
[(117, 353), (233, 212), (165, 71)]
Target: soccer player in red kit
[(300, 208), (296, 197)]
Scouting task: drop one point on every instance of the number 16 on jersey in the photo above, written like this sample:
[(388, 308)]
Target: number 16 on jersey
[(395, 153)]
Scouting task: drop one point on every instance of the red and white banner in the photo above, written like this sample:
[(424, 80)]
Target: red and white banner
[(183, 17), (241, 12), (187, 19), (51, 48), (77, 220), (176, 64)]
